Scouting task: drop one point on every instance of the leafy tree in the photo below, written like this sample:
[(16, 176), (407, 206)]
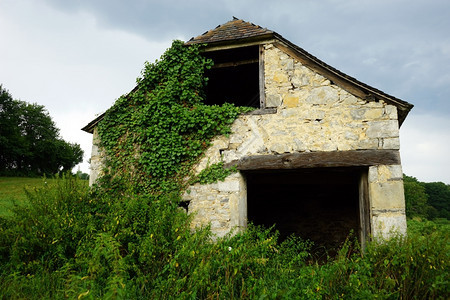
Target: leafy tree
[(415, 197), (426, 199), (30, 142), (439, 198), (12, 143)]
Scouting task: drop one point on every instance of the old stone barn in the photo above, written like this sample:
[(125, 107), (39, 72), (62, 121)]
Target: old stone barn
[(318, 157)]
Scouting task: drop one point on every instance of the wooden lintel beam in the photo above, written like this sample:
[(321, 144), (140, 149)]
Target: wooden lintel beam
[(261, 111), (354, 158), (235, 63), (238, 44)]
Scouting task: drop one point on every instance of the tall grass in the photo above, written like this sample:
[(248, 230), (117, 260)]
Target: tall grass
[(70, 242), (12, 191)]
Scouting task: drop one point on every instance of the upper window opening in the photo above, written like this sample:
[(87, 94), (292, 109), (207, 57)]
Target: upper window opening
[(234, 78)]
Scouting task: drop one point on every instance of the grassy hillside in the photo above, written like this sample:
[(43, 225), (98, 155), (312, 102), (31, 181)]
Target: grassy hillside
[(12, 190)]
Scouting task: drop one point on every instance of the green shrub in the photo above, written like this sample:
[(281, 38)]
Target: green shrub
[(416, 267), (137, 247), (49, 227), (40, 238)]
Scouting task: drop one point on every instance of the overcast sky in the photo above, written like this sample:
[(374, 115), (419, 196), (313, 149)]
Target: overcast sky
[(77, 57)]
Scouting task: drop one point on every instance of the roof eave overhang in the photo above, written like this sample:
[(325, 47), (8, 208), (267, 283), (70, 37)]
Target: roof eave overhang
[(89, 128)]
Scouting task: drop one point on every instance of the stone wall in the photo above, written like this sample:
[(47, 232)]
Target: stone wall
[(96, 158), (221, 204), (387, 200), (313, 114)]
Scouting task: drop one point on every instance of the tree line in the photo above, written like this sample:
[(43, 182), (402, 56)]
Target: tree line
[(429, 200), (29, 140)]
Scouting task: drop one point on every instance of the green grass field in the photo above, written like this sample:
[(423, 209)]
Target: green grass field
[(12, 190)]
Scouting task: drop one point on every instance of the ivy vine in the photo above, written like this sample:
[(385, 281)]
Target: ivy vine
[(153, 136), (213, 173)]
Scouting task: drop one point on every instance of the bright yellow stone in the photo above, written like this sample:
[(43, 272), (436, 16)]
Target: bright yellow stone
[(290, 101)]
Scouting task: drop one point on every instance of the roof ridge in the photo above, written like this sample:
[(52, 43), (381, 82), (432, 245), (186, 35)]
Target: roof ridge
[(234, 29)]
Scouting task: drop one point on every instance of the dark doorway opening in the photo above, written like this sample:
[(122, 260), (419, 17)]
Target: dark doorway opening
[(234, 78), (321, 205)]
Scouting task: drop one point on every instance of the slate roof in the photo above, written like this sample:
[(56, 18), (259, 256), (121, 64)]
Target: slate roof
[(233, 30)]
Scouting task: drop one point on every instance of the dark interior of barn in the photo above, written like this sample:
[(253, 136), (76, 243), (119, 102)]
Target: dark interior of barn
[(321, 205)]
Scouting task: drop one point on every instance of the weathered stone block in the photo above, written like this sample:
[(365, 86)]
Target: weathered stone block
[(382, 129), (396, 172), (95, 150), (375, 104), (344, 147), (347, 99), (366, 143), (358, 113), (254, 144), (373, 114), (391, 143), (323, 95), (229, 156), (228, 186), (328, 147), (387, 195), (273, 100), (299, 145), (236, 139), (290, 101), (385, 173), (279, 148), (300, 79), (287, 63), (220, 142), (314, 114), (280, 77), (391, 112), (350, 135), (373, 174), (385, 225)]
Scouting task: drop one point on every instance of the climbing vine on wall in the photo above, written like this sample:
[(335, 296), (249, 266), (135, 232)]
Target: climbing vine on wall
[(154, 135)]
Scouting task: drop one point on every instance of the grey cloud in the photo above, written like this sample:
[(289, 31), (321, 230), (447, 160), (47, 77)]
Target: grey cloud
[(425, 140), (153, 20)]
